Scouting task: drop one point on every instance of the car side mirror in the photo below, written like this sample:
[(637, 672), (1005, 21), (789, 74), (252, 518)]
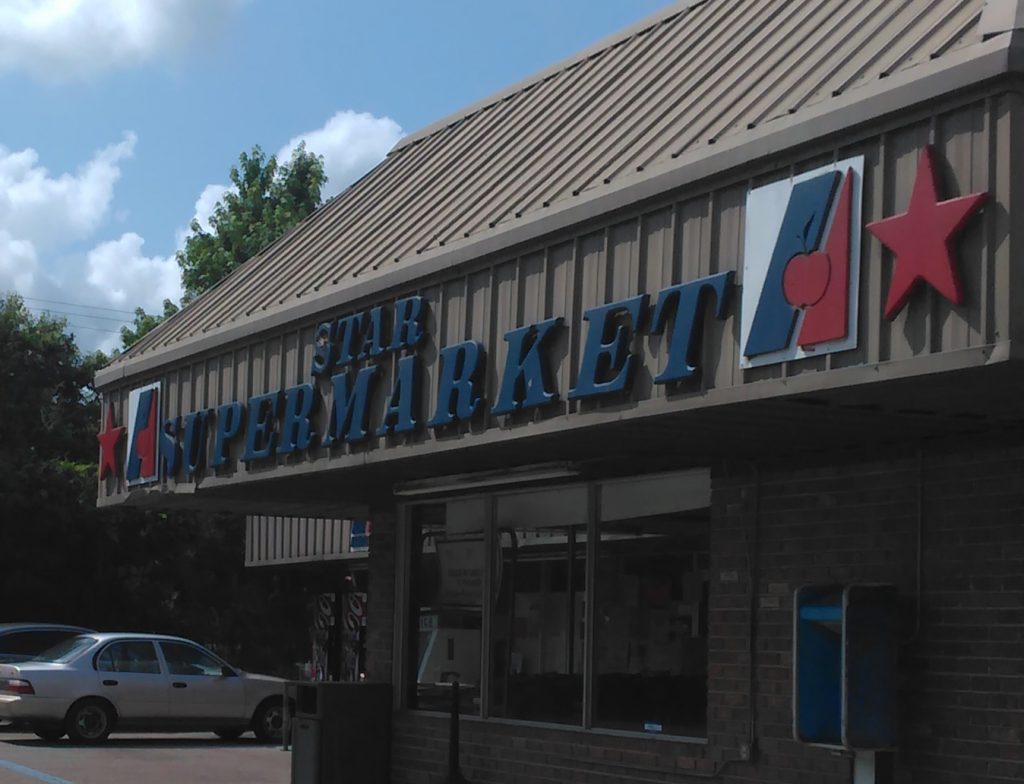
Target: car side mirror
[(227, 672)]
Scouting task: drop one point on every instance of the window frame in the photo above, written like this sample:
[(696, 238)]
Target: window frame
[(403, 618), (196, 647), (158, 655)]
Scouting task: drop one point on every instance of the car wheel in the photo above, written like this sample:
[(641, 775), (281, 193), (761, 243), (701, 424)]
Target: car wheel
[(49, 734), (89, 721), (229, 734), (268, 721)]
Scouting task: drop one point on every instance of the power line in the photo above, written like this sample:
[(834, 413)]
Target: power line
[(110, 331), (79, 305), (83, 315)]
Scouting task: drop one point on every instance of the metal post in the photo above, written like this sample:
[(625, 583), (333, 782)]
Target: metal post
[(286, 721)]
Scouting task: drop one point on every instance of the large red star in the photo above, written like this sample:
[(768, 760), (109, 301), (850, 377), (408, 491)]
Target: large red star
[(109, 439), (922, 238)]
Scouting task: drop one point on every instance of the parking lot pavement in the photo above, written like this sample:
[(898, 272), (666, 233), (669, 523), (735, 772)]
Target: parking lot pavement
[(142, 759)]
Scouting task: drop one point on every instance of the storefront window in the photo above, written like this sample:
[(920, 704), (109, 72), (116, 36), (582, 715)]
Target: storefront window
[(447, 604), (650, 656), (537, 627), (513, 565)]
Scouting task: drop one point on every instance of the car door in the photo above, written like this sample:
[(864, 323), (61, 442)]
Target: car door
[(201, 692), (130, 675)]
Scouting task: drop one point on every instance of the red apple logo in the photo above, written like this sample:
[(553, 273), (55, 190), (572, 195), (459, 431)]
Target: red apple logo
[(805, 279)]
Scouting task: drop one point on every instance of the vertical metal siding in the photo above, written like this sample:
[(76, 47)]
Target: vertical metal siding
[(684, 236), (273, 540)]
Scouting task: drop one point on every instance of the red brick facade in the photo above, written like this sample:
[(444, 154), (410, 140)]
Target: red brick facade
[(846, 520)]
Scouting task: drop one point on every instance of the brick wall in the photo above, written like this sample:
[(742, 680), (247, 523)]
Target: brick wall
[(840, 520)]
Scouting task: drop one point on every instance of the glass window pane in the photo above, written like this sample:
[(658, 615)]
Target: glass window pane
[(135, 656), (537, 625), (185, 659), (67, 650), (31, 643), (651, 647), (446, 597)]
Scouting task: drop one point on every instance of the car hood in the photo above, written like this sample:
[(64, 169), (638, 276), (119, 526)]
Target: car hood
[(253, 676)]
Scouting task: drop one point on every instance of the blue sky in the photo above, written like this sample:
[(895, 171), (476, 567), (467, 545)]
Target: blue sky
[(122, 117)]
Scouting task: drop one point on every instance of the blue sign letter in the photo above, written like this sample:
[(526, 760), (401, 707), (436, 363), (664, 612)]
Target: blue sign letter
[(608, 357), (296, 428), (195, 440), (404, 398), (170, 452), (260, 438), (323, 349), (350, 408), (373, 343), (409, 331), (460, 365), (229, 422), (684, 343), (524, 383), (346, 331)]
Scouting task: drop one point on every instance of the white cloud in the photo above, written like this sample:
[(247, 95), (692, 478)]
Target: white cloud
[(126, 277), (206, 203), (351, 143), (43, 217), (49, 211), (202, 211), (65, 40), (17, 263)]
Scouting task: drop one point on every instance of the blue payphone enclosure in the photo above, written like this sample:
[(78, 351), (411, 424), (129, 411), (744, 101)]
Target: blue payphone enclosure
[(846, 643)]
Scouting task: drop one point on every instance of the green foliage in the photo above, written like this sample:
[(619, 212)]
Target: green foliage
[(47, 405), (124, 568), (266, 201), (143, 323)]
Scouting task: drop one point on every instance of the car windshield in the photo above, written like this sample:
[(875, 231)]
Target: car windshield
[(67, 650)]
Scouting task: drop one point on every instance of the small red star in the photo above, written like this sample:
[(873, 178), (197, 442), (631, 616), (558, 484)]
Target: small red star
[(109, 439), (921, 239)]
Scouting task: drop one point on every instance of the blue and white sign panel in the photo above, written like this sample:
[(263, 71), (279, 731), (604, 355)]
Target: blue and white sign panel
[(801, 273), (140, 459)]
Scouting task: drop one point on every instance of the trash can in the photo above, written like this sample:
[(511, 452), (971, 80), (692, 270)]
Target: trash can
[(341, 733)]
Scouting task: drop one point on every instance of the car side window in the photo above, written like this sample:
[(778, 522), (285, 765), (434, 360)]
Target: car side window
[(136, 656), (185, 659)]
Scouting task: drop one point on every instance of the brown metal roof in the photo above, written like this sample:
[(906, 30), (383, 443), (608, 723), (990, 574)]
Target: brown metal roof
[(672, 89)]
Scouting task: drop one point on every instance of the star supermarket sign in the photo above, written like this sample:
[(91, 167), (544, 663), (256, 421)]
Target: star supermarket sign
[(801, 296)]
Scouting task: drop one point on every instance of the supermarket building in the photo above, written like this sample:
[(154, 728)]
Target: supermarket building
[(681, 384)]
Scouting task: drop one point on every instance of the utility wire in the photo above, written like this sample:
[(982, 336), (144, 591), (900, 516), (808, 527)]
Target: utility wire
[(109, 331), (82, 315), (79, 305)]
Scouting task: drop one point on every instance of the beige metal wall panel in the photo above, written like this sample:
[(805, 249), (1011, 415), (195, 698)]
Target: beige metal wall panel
[(689, 233), (655, 272), (668, 92), (560, 295)]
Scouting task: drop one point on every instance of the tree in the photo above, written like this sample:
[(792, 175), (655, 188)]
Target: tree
[(143, 323), (266, 200), (65, 560), (47, 403)]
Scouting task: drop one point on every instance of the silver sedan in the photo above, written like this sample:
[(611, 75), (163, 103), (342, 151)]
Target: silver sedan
[(91, 684)]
